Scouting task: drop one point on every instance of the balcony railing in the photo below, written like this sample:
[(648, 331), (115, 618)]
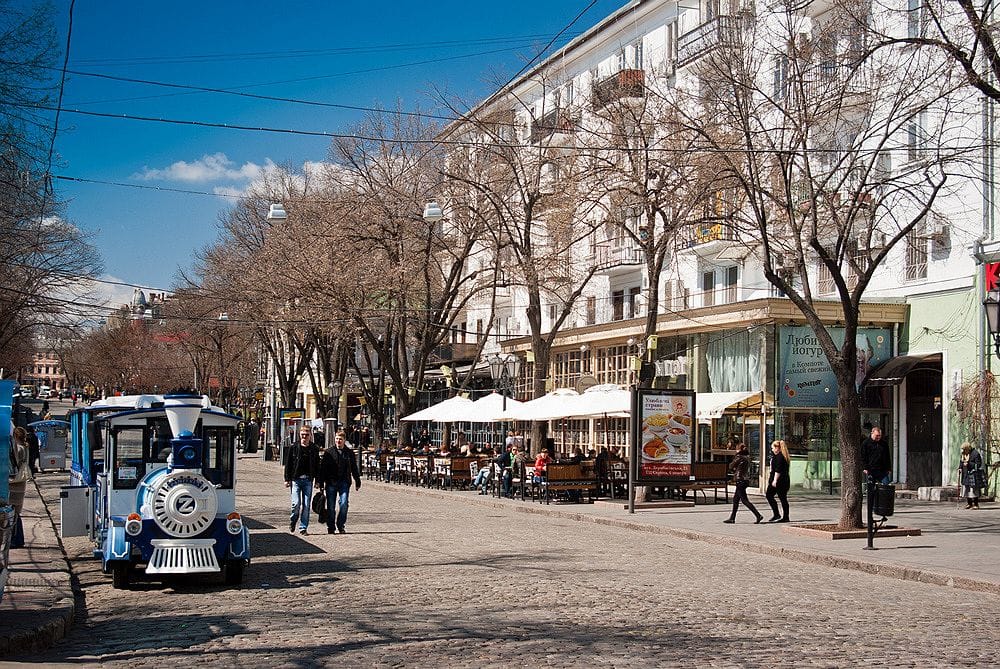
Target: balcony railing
[(720, 32), (705, 233), (622, 84), (608, 257), (555, 121)]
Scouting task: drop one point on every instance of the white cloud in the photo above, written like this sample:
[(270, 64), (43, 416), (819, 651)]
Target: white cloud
[(214, 167)]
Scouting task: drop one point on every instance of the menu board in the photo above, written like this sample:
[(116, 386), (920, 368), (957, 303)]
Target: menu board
[(665, 428)]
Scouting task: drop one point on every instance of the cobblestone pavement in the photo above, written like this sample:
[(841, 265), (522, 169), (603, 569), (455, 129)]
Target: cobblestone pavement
[(419, 580)]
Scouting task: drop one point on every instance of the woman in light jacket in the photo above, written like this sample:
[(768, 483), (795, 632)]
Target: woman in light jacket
[(19, 475)]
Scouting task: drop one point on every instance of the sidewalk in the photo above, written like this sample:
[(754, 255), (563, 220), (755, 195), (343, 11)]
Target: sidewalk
[(957, 548), (37, 606)]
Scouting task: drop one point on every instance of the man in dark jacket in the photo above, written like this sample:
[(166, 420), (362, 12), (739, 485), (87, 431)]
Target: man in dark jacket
[(337, 467), (301, 467), (876, 457)]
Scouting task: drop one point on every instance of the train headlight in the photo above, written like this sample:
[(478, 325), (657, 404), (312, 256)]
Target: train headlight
[(234, 524), (133, 524)]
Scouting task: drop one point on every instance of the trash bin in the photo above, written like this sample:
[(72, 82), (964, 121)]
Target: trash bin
[(884, 499)]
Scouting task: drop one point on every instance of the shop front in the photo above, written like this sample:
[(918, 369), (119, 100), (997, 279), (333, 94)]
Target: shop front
[(806, 402)]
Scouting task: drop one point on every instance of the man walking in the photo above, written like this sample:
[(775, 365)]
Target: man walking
[(301, 467), (337, 467)]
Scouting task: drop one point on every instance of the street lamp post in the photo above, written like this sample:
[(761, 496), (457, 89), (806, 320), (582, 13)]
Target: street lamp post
[(504, 368), (334, 393), (992, 306)]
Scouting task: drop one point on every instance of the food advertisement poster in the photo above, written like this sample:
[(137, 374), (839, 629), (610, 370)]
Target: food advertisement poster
[(665, 433), (806, 377)]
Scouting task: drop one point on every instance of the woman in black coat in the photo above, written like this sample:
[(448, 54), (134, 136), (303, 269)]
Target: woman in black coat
[(778, 481), (971, 475), (741, 472)]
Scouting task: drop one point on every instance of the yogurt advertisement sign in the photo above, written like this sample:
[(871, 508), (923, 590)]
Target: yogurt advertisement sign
[(806, 377)]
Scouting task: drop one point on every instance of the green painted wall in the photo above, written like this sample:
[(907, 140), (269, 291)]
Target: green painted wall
[(948, 321)]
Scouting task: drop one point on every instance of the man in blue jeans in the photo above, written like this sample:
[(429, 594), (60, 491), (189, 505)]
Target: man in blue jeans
[(301, 467), (337, 467)]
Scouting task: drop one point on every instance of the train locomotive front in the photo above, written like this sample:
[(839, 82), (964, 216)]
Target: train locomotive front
[(166, 503)]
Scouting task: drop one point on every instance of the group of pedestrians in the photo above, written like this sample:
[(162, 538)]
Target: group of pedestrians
[(778, 483), (331, 470)]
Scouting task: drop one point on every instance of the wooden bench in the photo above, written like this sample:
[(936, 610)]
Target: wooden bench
[(564, 478), (460, 472), (712, 476)]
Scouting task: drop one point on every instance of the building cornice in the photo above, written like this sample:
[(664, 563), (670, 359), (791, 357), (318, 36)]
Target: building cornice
[(717, 317)]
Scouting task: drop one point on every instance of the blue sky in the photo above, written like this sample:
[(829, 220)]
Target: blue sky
[(361, 54)]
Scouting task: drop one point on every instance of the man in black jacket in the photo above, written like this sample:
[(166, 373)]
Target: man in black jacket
[(301, 467), (337, 467), (876, 457)]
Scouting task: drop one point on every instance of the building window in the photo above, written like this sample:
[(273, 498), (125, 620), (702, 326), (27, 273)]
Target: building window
[(731, 290), (780, 76), (637, 55), (591, 310), (622, 61), (567, 368), (916, 253), (708, 288), (568, 97), (824, 280), (916, 137), (611, 365), (618, 305), (633, 302), (916, 18)]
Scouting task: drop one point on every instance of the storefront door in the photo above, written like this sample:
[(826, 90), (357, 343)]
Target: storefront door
[(923, 428)]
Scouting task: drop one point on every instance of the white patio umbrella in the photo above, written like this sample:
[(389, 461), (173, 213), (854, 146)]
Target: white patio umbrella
[(490, 409), (548, 407), (442, 411), (603, 400)]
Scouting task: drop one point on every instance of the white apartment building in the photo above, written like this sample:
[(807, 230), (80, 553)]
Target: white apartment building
[(723, 329)]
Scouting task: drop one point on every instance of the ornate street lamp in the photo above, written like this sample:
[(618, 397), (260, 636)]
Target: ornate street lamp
[(504, 368), (334, 394), (992, 306)]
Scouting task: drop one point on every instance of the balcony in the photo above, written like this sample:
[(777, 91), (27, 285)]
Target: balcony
[(623, 84), (708, 238), (453, 352), (720, 33), (615, 259), (558, 123)]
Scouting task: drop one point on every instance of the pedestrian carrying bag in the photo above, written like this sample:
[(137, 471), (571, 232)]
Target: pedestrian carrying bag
[(319, 505)]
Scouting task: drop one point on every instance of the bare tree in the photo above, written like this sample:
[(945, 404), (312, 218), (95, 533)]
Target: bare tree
[(516, 170), (837, 157)]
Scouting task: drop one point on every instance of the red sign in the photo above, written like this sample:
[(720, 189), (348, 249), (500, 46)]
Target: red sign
[(992, 276)]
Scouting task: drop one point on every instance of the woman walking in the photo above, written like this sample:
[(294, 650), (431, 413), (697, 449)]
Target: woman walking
[(778, 481), (971, 475), (741, 472)]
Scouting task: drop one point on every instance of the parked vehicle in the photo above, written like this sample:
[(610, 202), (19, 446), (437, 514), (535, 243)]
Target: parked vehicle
[(153, 483)]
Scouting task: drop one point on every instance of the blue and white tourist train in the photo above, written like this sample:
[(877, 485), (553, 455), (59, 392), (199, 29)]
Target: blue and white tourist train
[(153, 484)]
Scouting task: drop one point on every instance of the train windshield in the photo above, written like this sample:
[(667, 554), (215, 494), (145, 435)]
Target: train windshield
[(138, 449)]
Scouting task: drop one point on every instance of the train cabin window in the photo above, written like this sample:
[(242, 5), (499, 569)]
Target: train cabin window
[(218, 455), (159, 440), (129, 466)]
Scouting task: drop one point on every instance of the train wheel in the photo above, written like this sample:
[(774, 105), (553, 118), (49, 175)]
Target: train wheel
[(234, 572), (120, 575)]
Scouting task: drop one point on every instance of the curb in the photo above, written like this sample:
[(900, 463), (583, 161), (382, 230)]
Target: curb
[(894, 571)]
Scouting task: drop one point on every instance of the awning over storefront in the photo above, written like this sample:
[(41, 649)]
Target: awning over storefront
[(713, 405), (894, 370)]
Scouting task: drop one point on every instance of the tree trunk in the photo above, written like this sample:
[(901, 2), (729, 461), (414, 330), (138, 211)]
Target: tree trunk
[(849, 433)]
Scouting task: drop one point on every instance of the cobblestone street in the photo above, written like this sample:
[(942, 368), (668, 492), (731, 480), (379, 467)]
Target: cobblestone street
[(420, 581)]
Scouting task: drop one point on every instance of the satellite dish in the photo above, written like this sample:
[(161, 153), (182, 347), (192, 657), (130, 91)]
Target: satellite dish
[(585, 381)]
